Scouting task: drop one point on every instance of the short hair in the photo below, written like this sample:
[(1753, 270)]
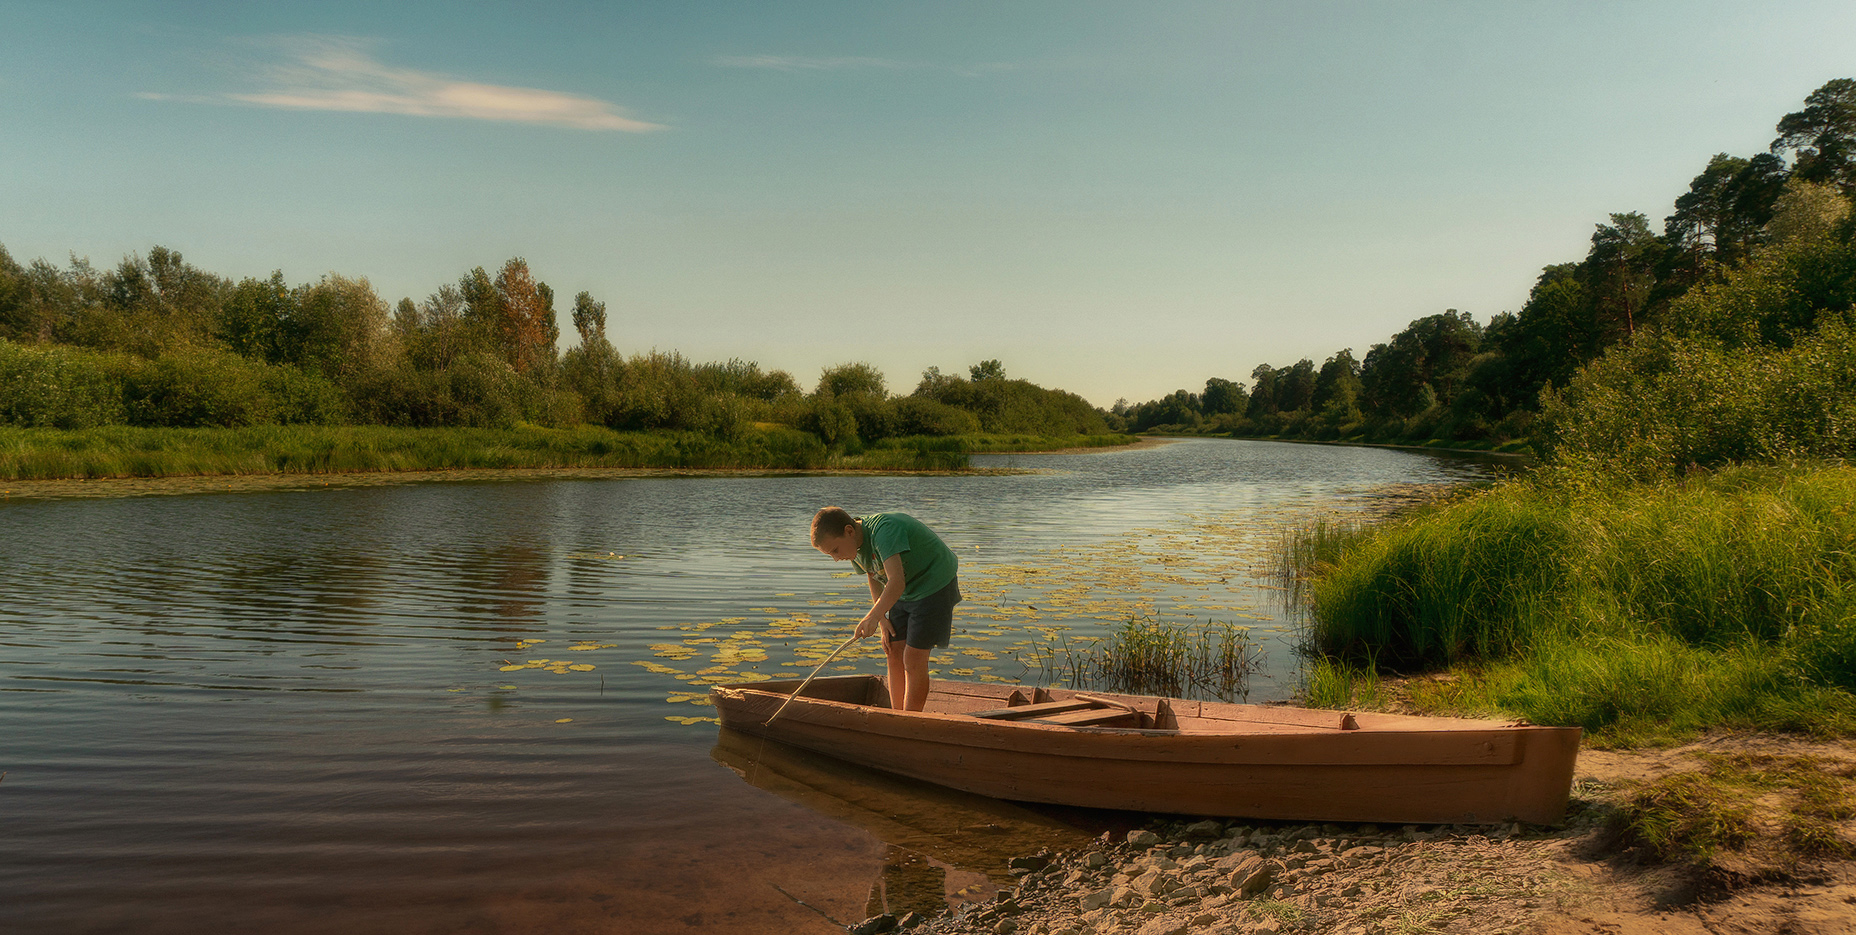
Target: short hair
[(829, 523)]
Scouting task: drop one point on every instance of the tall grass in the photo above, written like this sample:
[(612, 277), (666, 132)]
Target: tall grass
[(1726, 599), (1145, 656)]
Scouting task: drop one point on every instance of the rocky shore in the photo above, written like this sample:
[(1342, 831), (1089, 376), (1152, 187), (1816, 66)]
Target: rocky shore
[(1214, 877), (1234, 878)]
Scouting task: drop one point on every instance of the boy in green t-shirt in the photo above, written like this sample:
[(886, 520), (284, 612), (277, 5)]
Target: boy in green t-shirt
[(914, 585)]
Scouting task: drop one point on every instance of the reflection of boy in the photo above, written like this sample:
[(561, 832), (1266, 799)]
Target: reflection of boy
[(914, 586)]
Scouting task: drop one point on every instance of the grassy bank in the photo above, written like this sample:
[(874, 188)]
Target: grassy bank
[(1642, 613), (1513, 446), (127, 451)]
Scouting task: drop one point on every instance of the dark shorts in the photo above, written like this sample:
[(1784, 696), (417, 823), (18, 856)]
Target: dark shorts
[(929, 622)]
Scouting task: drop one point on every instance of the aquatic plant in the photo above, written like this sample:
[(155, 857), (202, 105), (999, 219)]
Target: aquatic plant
[(1147, 656)]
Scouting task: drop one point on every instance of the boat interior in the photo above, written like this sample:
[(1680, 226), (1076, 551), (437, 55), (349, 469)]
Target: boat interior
[(1069, 708)]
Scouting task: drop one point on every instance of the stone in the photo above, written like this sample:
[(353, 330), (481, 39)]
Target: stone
[(911, 920), (1251, 876), (1204, 920), (1268, 925), (1030, 864), (1123, 897), (875, 925), (1097, 899), (1204, 829), (1153, 883), (1142, 838), (1353, 853), (1094, 859), (1006, 927), (1164, 926), (1228, 864)]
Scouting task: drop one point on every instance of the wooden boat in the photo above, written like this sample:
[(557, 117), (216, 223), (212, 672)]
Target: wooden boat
[(1171, 755)]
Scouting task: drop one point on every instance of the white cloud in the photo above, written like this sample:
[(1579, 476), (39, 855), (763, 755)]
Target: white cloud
[(330, 73)]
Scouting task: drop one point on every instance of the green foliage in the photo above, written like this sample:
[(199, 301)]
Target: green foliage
[(50, 386), (66, 387), (1636, 611)]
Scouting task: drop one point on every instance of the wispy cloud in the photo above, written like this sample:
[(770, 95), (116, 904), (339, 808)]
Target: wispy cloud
[(798, 63), (340, 74)]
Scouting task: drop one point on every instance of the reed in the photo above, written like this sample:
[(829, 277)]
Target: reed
[(1146, 656)]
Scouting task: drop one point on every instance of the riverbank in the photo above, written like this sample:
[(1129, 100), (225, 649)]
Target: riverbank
[(1519, 449), (1582, 877), (125, 451)]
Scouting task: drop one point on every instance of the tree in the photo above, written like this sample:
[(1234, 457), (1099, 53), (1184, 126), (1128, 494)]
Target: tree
[(1621, 270), (1429, 359), (1338, 381), (1262, 392), (589, 320), (1722, 213), (1295, 386), (986, 370), (1822, 136), (524, 317), (335, 327), (256, 319), (1221, 396), (854, 379)]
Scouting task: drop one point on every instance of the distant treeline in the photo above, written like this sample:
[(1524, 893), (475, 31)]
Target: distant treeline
[(1722, 338), (156, 341)]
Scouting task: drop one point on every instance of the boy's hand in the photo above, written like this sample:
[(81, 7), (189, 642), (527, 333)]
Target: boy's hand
[(867, 626)]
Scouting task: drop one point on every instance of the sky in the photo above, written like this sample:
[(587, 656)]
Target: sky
[(1118, 199)]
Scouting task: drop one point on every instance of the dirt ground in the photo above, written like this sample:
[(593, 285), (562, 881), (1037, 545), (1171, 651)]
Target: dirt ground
[(1812, 898)]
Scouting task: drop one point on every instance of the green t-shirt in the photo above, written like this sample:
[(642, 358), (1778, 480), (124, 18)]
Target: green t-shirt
[(927, 563)]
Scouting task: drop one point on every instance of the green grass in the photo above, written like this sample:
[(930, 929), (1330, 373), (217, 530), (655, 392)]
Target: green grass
[(1645, 614), (1691, 816), (123, 451)]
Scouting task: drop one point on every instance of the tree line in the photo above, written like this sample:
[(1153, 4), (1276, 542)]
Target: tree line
[(1745, 224), (156, 341)]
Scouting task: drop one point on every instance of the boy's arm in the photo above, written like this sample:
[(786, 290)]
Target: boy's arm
[(884, 599)]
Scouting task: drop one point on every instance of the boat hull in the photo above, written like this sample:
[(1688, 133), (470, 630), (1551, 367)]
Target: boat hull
[(1388, 769)]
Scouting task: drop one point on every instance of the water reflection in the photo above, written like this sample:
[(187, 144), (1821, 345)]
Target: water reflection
[(944, 846)]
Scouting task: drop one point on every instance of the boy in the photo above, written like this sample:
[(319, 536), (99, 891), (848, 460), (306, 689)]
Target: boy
[(913, 589)]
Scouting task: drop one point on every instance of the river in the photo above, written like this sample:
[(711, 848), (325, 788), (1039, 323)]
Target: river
[(476, 706)]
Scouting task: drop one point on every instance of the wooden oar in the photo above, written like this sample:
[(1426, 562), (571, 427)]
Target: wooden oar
[(802, 685)]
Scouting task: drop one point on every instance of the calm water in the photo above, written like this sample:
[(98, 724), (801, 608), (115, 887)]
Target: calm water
[(298, 710)]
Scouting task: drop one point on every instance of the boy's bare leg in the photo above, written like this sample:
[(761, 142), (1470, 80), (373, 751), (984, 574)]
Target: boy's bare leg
[(915, 664), (898, 674)]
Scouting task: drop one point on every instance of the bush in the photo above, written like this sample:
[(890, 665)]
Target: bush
[(59, 387)]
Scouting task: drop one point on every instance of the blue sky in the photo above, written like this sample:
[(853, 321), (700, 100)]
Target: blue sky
[(1120, 199)]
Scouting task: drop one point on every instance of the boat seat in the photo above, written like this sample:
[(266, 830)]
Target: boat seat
[(1094, 717), (1028, 711)]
